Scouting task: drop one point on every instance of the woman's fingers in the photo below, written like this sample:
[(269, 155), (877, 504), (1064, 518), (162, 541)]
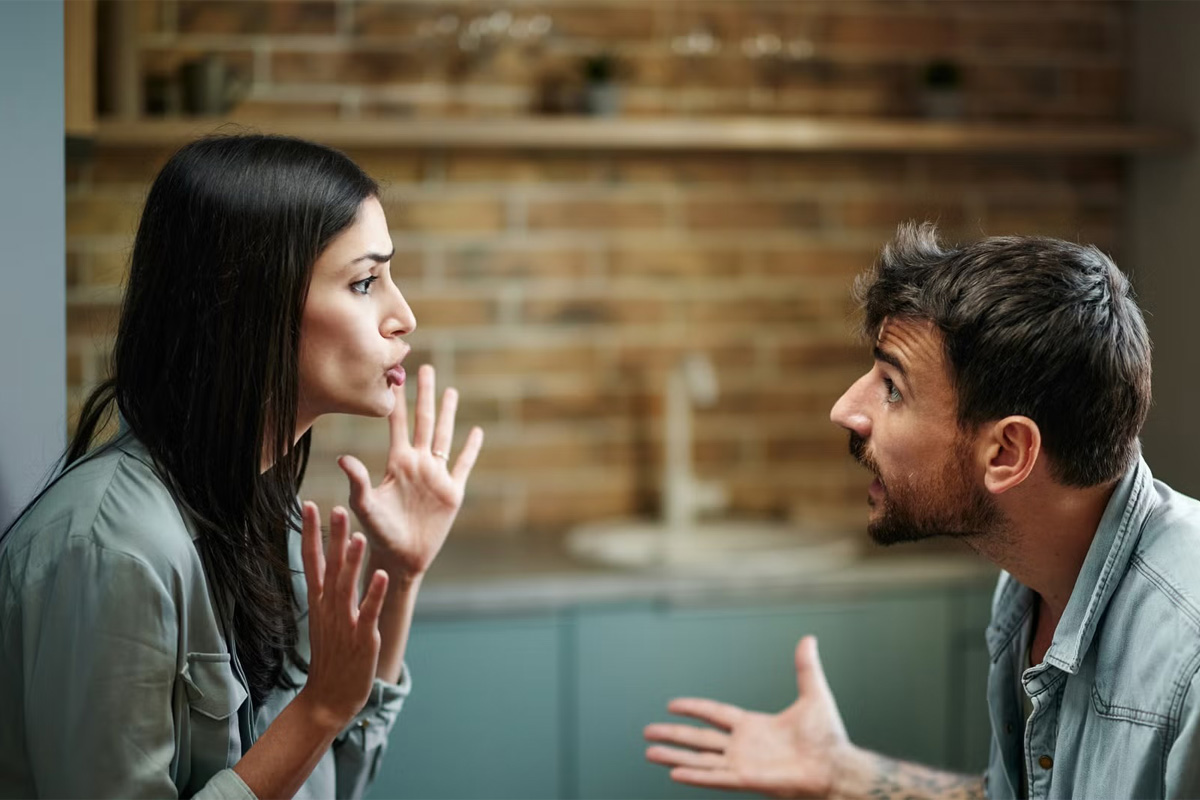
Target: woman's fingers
[(347, 581), (466, 459), (312, 552), (372, 604), (335, 553), (443, 434), (398, 419), (423, 427), (360, 483)]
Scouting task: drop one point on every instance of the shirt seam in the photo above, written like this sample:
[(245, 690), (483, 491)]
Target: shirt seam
[(1006, 642), (1185, 607)]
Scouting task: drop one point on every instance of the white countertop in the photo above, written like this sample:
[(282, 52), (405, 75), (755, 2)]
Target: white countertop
[(481, 576)]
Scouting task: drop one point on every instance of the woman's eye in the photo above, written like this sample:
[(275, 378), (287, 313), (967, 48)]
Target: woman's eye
[(363, 286), (893, 395)]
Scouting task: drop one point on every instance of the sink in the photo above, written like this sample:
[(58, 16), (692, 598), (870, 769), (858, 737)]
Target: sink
[(690, 538), (713, 546)]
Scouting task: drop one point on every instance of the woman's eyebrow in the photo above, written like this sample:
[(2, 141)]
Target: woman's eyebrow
[(378, 258)]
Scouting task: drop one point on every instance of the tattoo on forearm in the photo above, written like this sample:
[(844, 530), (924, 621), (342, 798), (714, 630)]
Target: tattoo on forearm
[(903, 780)]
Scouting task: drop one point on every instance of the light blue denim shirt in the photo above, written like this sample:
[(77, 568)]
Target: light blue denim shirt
[(116, 677), (1116, 701)]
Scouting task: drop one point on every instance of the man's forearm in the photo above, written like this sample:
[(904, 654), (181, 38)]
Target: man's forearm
[(870, 775)]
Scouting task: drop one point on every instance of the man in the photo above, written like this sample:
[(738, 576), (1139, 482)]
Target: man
[(1010, 383)]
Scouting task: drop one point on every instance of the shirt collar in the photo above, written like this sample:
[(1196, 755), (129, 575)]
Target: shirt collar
[(1103, 568)]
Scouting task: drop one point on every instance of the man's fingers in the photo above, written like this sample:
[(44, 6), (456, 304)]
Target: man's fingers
[(678, 757), (810, 678), (710, 778), (722, 715), (311, 551), (689, 736)]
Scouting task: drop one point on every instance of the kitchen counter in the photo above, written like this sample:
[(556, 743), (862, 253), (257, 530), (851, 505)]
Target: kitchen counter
[(480, 576)]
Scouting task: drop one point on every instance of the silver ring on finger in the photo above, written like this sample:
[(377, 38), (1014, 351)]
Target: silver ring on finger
[(442, 454)]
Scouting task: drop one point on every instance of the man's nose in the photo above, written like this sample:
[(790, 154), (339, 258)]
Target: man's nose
[(848, 412)]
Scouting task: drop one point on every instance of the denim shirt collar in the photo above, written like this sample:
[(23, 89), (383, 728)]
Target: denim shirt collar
[(1105, 564)]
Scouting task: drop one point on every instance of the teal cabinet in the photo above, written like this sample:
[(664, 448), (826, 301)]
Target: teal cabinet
[(553, 705), (886, 659), (969, 715), (484, 717)]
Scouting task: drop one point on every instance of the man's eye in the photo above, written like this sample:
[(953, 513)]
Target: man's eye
[(893, 395), (363, 286)]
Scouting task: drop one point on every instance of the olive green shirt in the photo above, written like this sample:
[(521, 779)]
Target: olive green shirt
[(116, 677)]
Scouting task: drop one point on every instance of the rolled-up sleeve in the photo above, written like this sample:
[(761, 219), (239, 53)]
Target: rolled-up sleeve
[(359, 749)]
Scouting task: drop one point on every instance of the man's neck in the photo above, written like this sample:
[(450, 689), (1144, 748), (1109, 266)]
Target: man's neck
[(1046, 541)]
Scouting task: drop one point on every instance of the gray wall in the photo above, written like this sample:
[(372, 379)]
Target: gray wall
[(32, 273), (1164, 231)]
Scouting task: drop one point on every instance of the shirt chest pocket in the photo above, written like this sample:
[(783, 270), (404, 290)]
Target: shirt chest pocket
[(210, 733)]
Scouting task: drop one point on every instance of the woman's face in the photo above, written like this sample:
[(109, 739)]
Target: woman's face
[(351, 333)]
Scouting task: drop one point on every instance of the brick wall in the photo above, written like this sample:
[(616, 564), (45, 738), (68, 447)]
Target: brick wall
[(556, 289)]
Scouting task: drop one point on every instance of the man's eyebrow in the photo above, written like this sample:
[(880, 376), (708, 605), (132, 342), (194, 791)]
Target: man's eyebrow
[(378, 258), (888, 358)]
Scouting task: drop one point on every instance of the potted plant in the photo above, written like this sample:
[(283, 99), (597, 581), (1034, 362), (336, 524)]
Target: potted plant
[(603, 95), (941, 90)]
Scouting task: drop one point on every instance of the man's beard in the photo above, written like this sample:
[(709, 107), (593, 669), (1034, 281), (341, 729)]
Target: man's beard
[(949, 504)]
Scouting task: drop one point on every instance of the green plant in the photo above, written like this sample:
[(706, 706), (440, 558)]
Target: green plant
[(600, 68), (942, 74)]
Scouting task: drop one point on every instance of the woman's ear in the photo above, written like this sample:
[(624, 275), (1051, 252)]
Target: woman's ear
[(1011, 447)]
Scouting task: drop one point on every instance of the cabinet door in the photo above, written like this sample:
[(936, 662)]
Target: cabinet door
[(970, 742), (483, 718), (886, 658)]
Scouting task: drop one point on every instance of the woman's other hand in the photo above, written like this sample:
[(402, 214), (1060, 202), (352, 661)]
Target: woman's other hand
[(408, 515), (343, 633)]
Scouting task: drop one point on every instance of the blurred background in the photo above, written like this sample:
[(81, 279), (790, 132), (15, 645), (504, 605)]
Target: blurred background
[(621, 223), (556, 285)]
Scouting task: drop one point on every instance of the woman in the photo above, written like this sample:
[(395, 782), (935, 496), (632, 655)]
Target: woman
[(157, 637)]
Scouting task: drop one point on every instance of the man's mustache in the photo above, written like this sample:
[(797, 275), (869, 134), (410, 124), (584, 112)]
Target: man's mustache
[(858, 449)]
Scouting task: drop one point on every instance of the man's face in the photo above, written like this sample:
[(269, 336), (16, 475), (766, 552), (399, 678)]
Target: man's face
[(902, 419)]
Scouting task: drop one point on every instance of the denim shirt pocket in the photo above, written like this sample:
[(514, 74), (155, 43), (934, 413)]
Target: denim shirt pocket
[(214, 697)]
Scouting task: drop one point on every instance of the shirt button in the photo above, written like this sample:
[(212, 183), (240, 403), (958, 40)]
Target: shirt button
[(362, 723), (1008, 727), (1046, 762)]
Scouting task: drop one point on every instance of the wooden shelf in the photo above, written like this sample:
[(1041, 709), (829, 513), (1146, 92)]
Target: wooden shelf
[(691, 134)]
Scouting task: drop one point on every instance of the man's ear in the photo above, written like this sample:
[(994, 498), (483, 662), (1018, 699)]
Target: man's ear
[(1011, 448)]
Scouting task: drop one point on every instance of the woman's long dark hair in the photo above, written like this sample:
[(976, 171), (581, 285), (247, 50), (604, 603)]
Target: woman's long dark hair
[(205, 366)]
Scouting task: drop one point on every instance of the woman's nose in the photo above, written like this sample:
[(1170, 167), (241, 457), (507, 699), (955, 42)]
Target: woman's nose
[(400, 320)]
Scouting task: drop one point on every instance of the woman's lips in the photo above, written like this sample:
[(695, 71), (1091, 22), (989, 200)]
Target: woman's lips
[(395, 376)]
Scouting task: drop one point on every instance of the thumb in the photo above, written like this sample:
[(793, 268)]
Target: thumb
[(360, 483), (810, 678)]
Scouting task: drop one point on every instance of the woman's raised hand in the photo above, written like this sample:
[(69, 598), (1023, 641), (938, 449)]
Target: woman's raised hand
[(344, 634), (409, 513)]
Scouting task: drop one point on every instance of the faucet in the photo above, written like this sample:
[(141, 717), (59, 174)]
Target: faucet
[(693, 380)]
